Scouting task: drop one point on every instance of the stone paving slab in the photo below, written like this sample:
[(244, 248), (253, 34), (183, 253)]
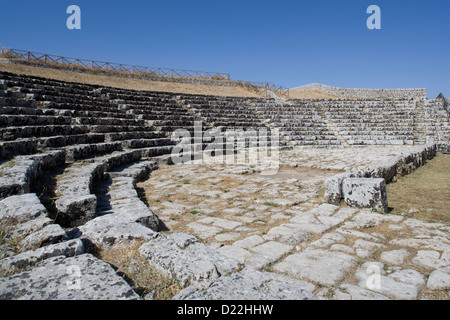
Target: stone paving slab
[(316, 243), (247, 284), (319, 266)]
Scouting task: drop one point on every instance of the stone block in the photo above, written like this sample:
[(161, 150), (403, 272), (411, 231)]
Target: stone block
[(21, 209), (365, 193), (50, 234), (333, 188), (30, 258), (112, 230), (192, 263)]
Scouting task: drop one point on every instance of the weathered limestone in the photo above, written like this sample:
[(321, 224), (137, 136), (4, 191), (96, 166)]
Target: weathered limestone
[(10, 149), (18, 174), (76, 204), (31, 258), (387, 170), (352, 292), (85, 151), (82, 277), (21, 209), (371, 277), (189, 261), (121, 197), (431, 259), (365, 93), (248, 284), (50, 234), (285, 231), (365, 193), (439, 279), (112, 230), (319, 266), (333, 188), (394, 257), (24, 222)]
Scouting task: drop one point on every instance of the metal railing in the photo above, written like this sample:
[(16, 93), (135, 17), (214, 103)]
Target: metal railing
[(262, 86), (109, 66)]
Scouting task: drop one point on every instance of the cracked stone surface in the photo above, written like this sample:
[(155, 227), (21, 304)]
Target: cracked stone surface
[(83, 277), (277, 225), (230, 230)]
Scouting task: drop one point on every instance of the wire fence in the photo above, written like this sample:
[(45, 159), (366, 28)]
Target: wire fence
[(111, 67), (264, 87)]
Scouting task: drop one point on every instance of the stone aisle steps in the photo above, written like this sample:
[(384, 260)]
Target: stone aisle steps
[(117, 194)]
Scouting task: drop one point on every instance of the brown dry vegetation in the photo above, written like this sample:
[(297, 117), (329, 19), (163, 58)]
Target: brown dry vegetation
[(147, 85), (136, 270), (126, 83), (311, 94), (425, 193)]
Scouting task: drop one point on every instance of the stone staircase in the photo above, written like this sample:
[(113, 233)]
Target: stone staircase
[(420, 128), (372, 122), (234, 119), (437, 122), (298, 121)]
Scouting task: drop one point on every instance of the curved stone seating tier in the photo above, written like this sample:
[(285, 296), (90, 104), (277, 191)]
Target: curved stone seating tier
[(28, 225), (9, 149), (102, 108), (68, 140), (75, 188), (144, 143), (12, 133), (18, 174), (150, 134)]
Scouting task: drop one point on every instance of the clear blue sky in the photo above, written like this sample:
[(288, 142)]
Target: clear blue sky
[(287, 42)]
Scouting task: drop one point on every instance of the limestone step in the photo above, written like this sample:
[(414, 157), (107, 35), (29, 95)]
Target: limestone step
[(33, 120), (9, 149), (149, 134), (12, 133), (68, 140), (85, 151), (18, 175), (118, 195)]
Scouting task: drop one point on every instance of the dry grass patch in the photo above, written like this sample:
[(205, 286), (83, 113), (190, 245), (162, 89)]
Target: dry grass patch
[(136, 270), (126, 83), (425, 193), (311, 94)]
